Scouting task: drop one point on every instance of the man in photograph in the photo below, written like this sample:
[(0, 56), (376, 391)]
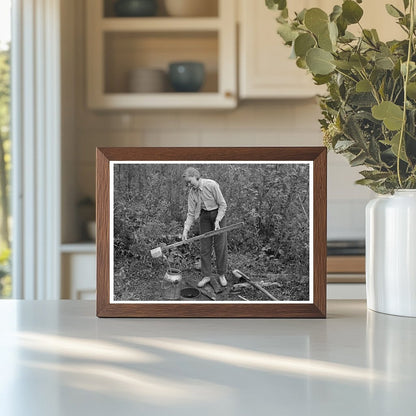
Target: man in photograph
[(206, 203)]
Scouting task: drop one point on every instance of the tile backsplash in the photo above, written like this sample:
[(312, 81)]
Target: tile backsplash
[(254, 123)]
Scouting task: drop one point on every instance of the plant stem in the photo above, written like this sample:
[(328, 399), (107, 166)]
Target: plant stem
[(346, 75), (392, 91), (406, 79), (373, 88)]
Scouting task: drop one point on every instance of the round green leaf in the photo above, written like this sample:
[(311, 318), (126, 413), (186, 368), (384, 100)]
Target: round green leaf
[(344, 65), (276, 4), (322, 79), (319, 61), (325, 42), (384, 62), (391, 114), (347, 37), (375, 35), (316, 20), (393, 11), (301, 15), (333, 32), (342, 25), (363, 86), (358, 61), (287, 33), (412, 67), (351, 11), (336, 12), (303, 43), (394, 143), (301, 63), (411, 90)]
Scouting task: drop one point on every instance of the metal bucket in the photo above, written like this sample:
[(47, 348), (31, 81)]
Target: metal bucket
[(171, 284)]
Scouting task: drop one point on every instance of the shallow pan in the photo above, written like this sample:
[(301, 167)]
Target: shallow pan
[(190, 292)]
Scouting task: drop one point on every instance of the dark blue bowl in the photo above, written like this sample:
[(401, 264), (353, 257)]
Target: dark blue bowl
[(186, 76), (135, 8)]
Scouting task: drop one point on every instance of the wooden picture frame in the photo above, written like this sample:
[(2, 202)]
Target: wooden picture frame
[(108, 305)]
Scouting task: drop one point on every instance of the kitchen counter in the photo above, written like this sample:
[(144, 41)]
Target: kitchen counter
[(57, 358)]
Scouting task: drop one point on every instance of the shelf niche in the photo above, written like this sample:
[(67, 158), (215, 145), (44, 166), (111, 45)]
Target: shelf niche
[(126, 51)]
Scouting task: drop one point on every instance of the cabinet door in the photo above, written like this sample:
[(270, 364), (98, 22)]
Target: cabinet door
[(78, 276), (266, 71)]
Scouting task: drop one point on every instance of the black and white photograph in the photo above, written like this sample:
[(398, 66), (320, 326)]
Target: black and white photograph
[(211, 232)]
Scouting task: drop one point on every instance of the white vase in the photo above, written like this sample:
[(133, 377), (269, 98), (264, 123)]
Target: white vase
[(391, 253)]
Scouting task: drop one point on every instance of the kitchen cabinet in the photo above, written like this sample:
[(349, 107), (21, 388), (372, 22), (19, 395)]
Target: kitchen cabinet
[(78, 263), (346, 277), (118, 45), (265, 70)]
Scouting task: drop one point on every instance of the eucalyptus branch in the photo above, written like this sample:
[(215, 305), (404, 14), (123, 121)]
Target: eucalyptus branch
[(404, 28), (406, 79), (358, 45), (373, 88), (392, 90), (369, 40), (397, 95), (342, 49), (363, 60)]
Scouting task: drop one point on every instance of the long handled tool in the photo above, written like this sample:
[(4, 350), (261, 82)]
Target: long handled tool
[(240, 275), (158, 251)]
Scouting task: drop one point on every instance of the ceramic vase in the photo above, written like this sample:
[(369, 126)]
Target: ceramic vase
[(391, 253)]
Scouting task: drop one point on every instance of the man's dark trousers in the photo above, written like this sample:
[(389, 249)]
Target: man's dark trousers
[(207, 223)]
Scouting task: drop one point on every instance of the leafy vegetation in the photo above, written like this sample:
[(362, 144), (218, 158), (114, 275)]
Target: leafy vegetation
[(150, 205), (369, 113), (5, 166)]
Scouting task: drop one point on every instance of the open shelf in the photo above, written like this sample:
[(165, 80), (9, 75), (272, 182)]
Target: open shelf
[(160, 24), (116, 46), (127, 51), (168, 100), (88, 247)]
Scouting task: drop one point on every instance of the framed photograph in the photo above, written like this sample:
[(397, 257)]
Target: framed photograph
[(211, 232)]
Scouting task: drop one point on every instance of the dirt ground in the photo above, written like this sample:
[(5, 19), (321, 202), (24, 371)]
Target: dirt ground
[(135, 284)]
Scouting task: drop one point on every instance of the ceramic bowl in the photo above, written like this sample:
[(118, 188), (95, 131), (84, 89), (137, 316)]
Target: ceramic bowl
[(135, 8), (186, 76), (147, 80)]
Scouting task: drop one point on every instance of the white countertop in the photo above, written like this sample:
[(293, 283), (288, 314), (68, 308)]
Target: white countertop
[(57, 358)]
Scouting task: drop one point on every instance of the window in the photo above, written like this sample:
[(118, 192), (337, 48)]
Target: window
[(5, 147)]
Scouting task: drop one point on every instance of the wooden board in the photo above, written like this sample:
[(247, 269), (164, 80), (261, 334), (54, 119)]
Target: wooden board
[(346, 264)]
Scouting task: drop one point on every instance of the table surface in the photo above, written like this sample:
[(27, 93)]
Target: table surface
[(57, 358)]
